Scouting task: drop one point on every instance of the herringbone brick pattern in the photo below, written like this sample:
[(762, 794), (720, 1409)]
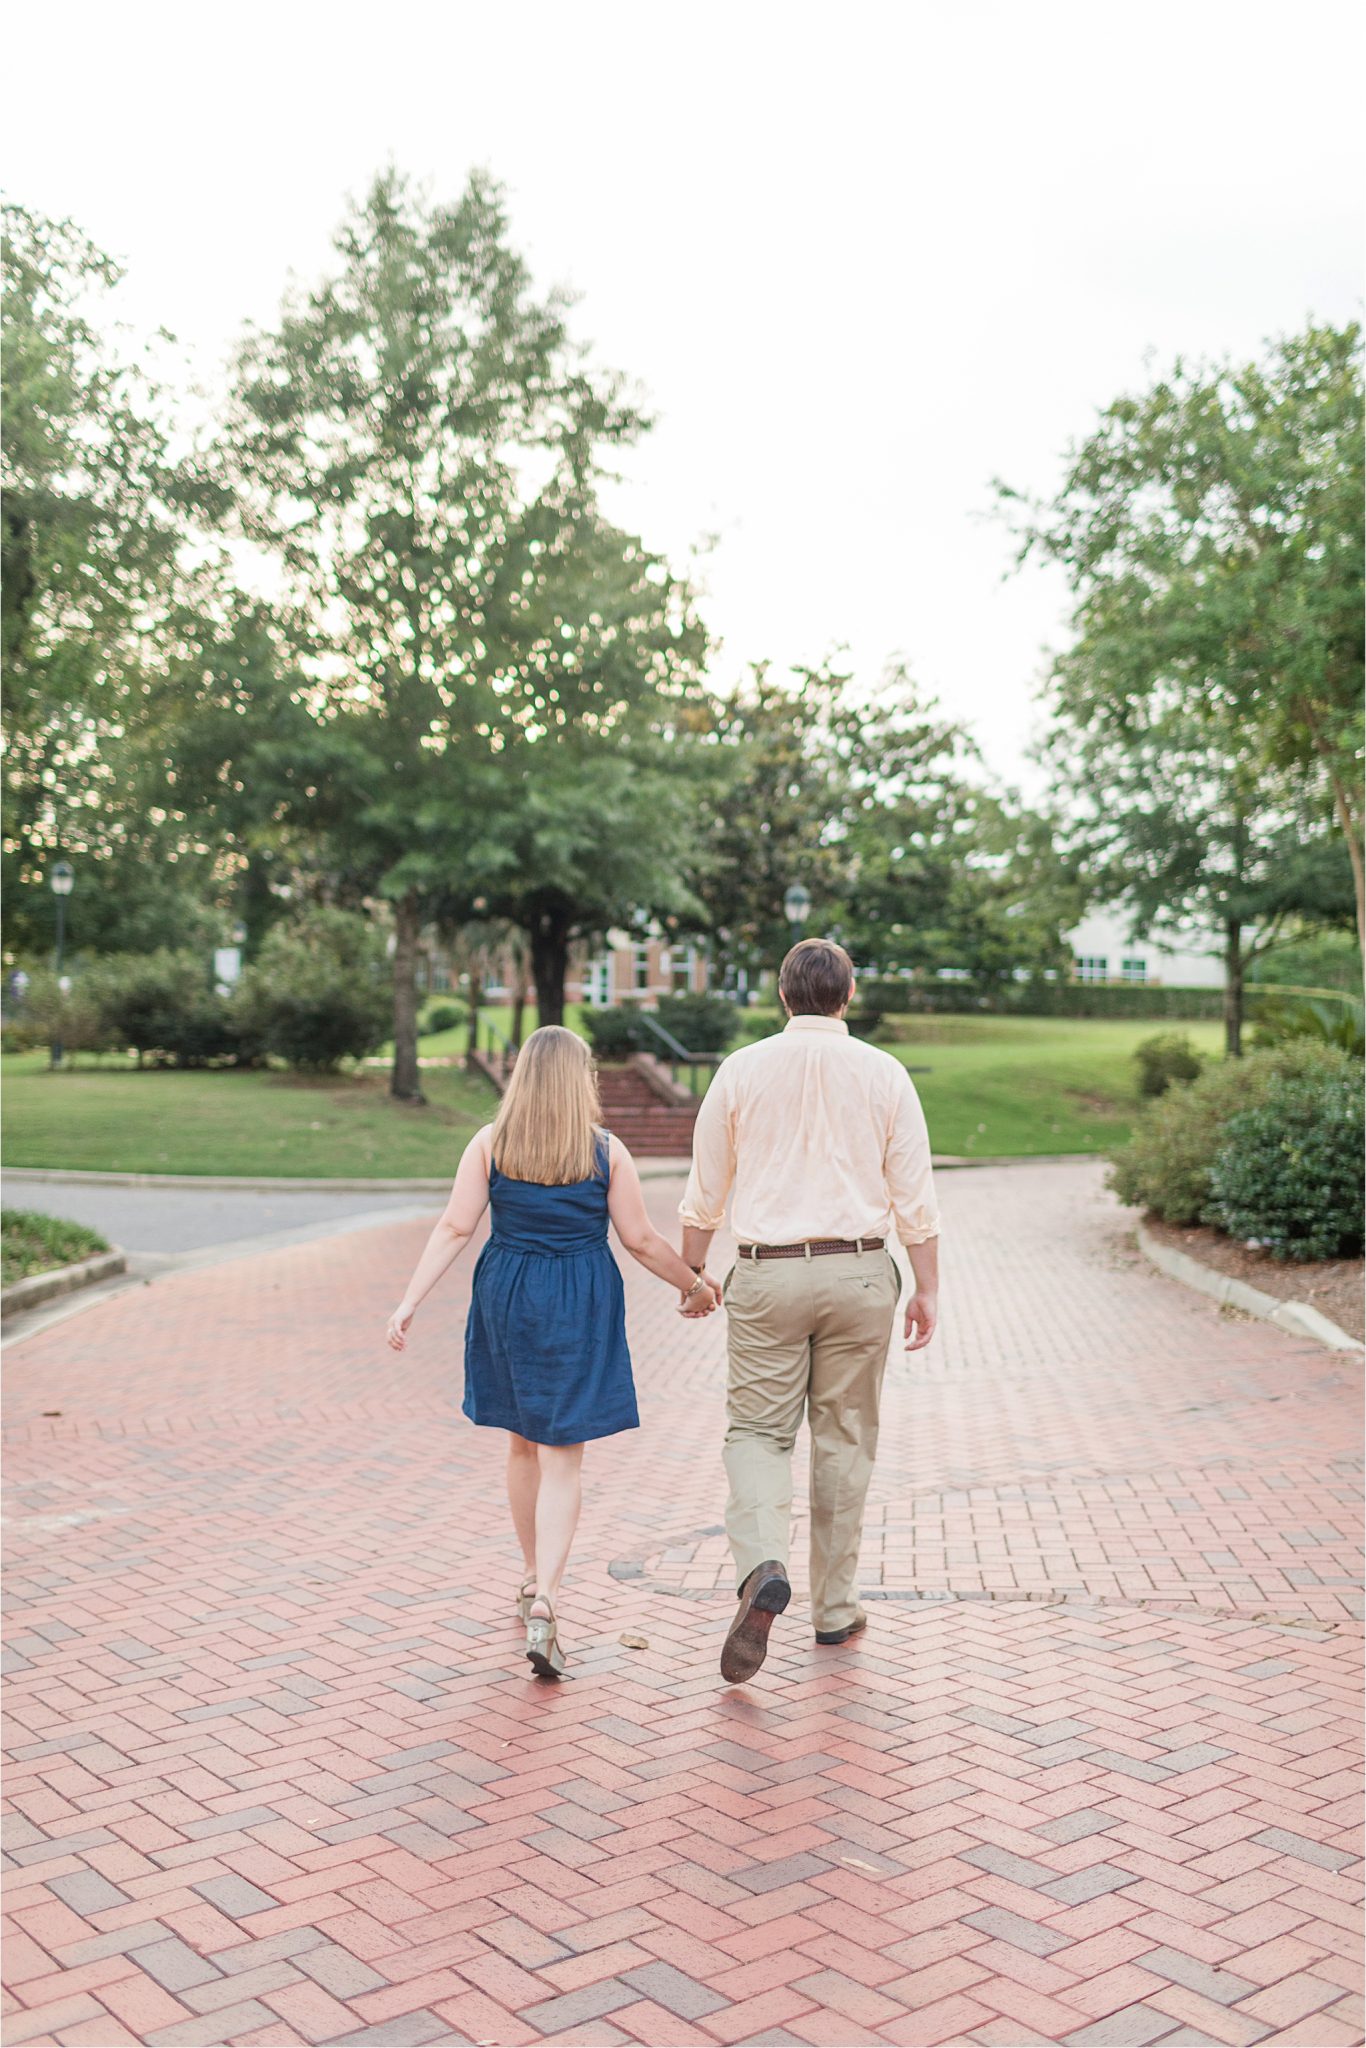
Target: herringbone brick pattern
[(276, 1773)]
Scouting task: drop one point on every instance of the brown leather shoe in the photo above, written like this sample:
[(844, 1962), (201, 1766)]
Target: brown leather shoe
[(765, 1593), (842, 1635)]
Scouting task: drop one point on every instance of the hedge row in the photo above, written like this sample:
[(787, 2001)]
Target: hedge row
[(1040, 998)]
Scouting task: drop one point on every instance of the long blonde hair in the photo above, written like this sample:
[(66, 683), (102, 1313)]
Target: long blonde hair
[(549, 1122)]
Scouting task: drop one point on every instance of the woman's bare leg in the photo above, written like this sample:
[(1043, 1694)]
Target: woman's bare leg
[(557, 1514), (524, 1479)]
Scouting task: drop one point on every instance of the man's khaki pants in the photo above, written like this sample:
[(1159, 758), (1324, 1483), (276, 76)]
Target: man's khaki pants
[(807, 1334)]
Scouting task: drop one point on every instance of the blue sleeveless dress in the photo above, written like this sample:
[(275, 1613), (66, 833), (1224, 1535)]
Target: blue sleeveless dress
[(545, 1338)]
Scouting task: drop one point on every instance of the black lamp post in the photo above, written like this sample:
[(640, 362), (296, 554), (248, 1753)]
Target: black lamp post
[(61, 881), (797, 909)]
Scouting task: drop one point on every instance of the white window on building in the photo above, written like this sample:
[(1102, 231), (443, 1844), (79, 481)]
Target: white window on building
[(1133, 968), (641, 977), (600, 981), (441, 975), (682, 960), (1092, 967)]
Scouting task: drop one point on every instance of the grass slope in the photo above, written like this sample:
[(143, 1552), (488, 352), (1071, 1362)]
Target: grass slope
[(995, 1086), (1011, 1086), (333, 1127)]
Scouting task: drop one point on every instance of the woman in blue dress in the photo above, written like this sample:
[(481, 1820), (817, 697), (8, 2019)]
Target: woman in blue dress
[(545, 1339)]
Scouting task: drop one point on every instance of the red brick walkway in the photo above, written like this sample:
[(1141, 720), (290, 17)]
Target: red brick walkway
[(277, 1774)]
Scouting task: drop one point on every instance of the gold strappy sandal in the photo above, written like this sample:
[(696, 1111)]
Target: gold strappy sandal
[(543, 1652), (525, 1595)]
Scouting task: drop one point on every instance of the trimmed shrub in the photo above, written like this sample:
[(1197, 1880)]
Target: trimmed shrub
[(442, 1015), (1167, 1057), (1288, 1175), (161, 1005), (617, 1032), (700, 1023), (320, 990), (1165, 1166)]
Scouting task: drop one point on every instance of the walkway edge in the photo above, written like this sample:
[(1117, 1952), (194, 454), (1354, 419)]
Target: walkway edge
[(649, 1169), (1297, 1318), (37, 1288)]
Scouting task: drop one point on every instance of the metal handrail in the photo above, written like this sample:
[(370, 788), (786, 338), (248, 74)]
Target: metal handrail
[(499, 1047), (679, 1056)]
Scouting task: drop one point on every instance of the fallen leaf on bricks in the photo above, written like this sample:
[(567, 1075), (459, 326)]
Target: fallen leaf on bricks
[(631, 1642)]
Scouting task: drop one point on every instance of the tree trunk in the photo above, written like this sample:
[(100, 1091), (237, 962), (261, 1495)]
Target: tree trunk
[(549, 965), (1353, 837), (1351, 826), (519, 994), (1233, 989), (476, 998), (404, 1082)]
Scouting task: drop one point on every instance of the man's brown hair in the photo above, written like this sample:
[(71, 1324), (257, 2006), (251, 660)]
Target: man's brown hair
[(815, 977)]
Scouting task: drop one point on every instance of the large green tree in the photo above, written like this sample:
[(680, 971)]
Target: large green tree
[(1180, 816), (950, 875), (387, 442), (592, 816), (1211, 532), (95, 512), (814, 782)]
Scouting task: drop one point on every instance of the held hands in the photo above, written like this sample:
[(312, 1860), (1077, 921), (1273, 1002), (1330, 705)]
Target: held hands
[(922, 1316), (701, 1300), (397, 1331)]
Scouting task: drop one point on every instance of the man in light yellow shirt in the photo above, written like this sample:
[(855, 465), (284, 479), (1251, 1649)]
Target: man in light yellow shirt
[(819, 1142)]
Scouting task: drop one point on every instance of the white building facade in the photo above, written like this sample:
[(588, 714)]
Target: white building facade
[(1104, 951)]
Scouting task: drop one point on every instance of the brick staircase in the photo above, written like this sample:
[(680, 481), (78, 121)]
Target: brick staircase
[(651, 1114), (641, 1106)]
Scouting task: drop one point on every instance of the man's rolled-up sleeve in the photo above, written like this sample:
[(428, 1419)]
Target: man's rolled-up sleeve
[(713, 1160), (910, 1177)]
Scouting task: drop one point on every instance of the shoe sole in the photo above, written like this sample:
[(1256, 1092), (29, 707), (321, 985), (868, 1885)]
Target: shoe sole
[(747, 1644), (543, 1666)]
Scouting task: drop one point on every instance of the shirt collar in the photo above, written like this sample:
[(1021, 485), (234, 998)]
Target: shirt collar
[(817, 1024)]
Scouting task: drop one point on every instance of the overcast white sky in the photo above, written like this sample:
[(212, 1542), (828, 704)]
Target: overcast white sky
[(863, 257)]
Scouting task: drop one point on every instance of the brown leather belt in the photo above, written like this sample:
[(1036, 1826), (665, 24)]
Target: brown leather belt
[(813, 1248)]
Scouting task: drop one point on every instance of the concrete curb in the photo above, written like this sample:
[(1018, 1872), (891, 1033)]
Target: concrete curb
[(1297, 1318), (40, 1287), (649, 1169), (81, 1176)]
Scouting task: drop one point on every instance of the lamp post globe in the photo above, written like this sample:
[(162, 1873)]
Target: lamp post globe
[(61, 880), (797, 906)]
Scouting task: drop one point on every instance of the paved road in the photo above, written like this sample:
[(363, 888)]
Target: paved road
[(188, 1219), (277, 1773)]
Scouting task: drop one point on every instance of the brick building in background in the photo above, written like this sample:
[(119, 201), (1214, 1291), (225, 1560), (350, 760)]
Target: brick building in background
[(627, 967)]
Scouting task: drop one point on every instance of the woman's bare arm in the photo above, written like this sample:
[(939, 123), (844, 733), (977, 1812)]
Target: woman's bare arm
[(469, 1197)]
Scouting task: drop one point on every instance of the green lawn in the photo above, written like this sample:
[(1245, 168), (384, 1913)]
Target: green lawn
[(30, 1243), (994, 1086), (1006, 1086), (334, 1127)]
